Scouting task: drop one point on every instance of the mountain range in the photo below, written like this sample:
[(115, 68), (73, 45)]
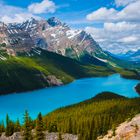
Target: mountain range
[(54, 36), (51, 34), (42, 53), (133, 56)]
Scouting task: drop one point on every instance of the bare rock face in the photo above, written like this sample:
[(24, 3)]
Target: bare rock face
[(3, 36), (125, 131), (55, 136), (48, 136), (15, 136), (52, 35), (53, 81)]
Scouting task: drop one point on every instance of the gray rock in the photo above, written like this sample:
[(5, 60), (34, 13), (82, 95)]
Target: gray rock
[(129, 130), (53, 81), (48, 136), (51, 35)]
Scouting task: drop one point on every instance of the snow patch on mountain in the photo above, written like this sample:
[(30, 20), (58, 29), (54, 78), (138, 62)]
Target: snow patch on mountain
[(51, 35), (72, 33)]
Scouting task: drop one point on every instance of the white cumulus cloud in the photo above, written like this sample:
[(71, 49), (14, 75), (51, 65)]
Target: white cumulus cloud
[(117, 37), (124, 2), (121, 28), (10, 14), (17, 18), (102, 14), (129, 39), (46, 6), (129, 13)]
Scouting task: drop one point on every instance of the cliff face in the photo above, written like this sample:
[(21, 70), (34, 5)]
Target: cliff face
[(48, 136), (129, 130), (51, 35)]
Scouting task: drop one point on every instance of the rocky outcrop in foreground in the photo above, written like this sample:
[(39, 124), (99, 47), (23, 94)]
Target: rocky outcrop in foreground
[(48, 136), (129, 130)]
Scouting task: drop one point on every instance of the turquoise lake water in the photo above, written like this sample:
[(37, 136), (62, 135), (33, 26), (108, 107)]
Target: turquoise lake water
[(49, 99)]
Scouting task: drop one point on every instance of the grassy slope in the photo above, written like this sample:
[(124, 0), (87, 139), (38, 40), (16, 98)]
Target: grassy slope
[(18, 74), (127, 69), (86, 69), (72, 67), (94, 117), (24, 73), (27, 73)]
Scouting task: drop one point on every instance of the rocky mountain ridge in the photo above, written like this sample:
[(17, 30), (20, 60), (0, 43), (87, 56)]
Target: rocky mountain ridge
[(52, 35), (133, 56)]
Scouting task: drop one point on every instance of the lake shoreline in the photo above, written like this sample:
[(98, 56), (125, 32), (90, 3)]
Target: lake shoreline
[(137, 88), (41, 88), (49, 99), (37, 89)]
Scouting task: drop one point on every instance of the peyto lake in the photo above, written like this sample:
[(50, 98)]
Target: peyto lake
[(49, 99)]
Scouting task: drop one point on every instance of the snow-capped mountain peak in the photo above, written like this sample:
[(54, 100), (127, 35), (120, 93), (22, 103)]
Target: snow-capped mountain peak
[(52, 35), (53, 21)]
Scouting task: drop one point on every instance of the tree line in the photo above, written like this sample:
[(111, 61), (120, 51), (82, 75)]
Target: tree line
[(26, 129), (88, 120)]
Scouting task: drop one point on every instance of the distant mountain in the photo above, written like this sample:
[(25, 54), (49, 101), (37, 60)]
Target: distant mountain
[(135, 56), (55, 36), (49, 53), (131, 56), (52, 35)]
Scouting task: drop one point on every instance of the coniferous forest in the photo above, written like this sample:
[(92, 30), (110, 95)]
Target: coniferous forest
[(88, 119), (69, 70)]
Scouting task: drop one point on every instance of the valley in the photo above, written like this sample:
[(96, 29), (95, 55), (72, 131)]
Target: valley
[(26, 73), (40, 69), (48, 99), (81, 90)]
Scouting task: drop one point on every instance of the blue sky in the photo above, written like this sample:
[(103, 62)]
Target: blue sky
[(114, 24), (70, 11)]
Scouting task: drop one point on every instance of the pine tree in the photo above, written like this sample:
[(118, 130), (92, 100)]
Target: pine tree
[(60, 136), (17, 126), (7, 131), (91, 129), (52, 127), (27, 134), (70, 126), (9, 126), (2, 128), (39, 128)]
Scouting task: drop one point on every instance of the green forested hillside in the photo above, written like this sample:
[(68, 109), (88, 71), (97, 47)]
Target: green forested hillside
[(88, 119), (24, 73), (94, 117), (28, 72)]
